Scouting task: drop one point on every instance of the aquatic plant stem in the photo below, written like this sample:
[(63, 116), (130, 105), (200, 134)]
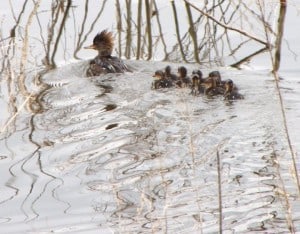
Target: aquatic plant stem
[(192, 32), (62, 25), (139, 31), (285, 194), (128, 29), (177, 31), (21, 81), (119, 26), (276, 78), (227, 27), (219, 192), (149, 28), (280, 28)]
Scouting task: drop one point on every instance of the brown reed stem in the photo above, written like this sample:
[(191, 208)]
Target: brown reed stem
[(160, 30), (177, 31), (247, 58), (227, 27), (21, 81), (280, 27), (128, 30), (80, 33), (119, 26), (219, 193), (149, 28), (139, 29), (192, 32), (62, 25)]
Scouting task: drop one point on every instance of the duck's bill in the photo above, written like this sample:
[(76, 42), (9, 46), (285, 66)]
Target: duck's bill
[(90, 47)]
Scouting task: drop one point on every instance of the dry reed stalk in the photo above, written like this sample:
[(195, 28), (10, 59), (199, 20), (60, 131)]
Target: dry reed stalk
[(284, 193), (280, 28), (192, 32), (54, 19), (149, 27), (179, 41), (220, 193), (128, 30), (139, 29), (227, 27), (81, 30), (24, 53), (119, 26), (275, 64), (62, 25), (92, 26), (160, 30)]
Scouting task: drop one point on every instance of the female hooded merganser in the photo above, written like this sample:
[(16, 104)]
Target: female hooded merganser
[(169, 74), (184, 80), (104, 63), (161, 80), (230, 92)]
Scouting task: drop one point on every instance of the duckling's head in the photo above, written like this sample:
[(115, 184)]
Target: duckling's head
[(182, 72), (158, 75), (199, 73), (103, 42), (215, 75), (195, 80), (168, 70), (228, 85)]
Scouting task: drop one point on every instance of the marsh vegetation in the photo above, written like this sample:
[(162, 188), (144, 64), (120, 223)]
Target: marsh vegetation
[(76, 156)]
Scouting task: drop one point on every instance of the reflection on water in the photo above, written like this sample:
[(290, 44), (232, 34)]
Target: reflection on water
[(137, 160), (109, 155)]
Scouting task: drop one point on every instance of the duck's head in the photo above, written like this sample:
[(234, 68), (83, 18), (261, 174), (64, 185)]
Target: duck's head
[(198, 73), (158, 75), (103, 42), (228, 85), (182, 72), (195, 80), (216, 76), (168, 70)]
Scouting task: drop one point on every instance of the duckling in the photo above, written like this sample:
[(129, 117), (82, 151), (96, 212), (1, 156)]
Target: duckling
[(197, 81), (210, 86), (161, 81), (220, 85), (217, 76), (184, 80), (169, 74), (230, 92), (105, 63), (195, 84)]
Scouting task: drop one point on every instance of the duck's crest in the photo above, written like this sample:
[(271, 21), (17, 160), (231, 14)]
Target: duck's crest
[(104, 38)]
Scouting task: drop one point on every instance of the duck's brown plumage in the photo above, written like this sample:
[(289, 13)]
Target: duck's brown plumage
[(231, 92)]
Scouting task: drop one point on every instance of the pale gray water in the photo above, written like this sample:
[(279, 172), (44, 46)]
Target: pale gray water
[(149, 165), (136, 160)]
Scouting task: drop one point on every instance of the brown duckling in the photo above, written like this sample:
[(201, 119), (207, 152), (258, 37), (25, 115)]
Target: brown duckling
[(211, 88), (230, 92), (105, 63), (197, 81), (184, 80), (161, 81), (217, 76), (169, 74)]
